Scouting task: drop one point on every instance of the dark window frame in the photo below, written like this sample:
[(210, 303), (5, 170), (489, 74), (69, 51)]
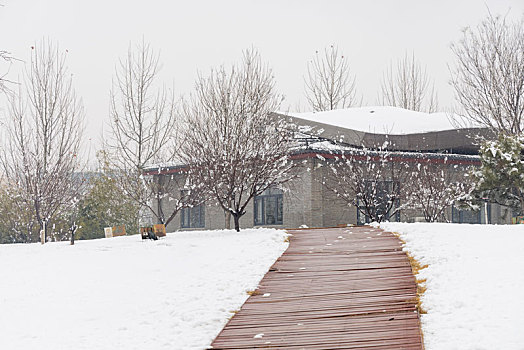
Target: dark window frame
[(465, 216), (365, 219), (264, 202), (194, 217)]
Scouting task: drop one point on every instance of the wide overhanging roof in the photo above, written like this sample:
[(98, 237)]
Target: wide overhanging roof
[(401, 129), (431, 135)]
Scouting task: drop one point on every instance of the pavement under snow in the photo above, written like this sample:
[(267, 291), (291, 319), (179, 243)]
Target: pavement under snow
[(124, 293), (475, 283)]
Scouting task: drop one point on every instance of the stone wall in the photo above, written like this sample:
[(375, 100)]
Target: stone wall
[(307, 202)]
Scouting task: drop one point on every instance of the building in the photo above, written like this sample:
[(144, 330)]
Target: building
[(408, 137)]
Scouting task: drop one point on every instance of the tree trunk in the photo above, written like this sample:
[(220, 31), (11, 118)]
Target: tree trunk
[(137, 221), (228, 220), (43, 227), (236, 218), (161, 218), (73, 229), (173, 214)]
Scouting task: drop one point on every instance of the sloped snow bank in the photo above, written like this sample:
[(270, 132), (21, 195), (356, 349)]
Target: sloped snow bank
[(122, 293), (475, 283)]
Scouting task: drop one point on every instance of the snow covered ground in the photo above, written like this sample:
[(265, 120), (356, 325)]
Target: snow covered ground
[(122, 293), (475, 283)]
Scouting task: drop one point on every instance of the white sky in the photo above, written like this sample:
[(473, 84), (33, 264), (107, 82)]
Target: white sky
[(197, 35)]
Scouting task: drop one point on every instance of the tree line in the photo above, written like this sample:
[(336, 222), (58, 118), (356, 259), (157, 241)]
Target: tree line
[(488, 82), (224, 132)]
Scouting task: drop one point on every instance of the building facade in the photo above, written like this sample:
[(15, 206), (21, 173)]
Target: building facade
[(308, 202)]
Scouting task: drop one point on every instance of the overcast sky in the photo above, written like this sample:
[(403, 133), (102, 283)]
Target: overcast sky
[(194, 36)]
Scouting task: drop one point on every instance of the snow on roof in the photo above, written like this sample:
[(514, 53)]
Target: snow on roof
[(329, 147), (381, 120)]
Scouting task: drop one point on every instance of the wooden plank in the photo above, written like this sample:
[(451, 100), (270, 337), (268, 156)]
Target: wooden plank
[(336, 288)]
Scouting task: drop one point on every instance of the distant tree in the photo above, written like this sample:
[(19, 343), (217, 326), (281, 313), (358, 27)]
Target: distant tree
[(499, 179), (235, 147), (371, 180), (104, 205), (44, 133), (19, 225), (433, 188), (329, 83), (143, 127), (408, 86), (488, 76), (17, 222)]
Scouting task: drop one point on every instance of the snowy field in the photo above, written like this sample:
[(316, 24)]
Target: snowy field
[(122, 293), (475, 283)]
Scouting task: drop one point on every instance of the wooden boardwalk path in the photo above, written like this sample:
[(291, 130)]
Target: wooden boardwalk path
[(336, 288)]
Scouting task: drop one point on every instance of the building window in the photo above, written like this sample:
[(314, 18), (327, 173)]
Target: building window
[(465, 216), (268, 207), (193, 217), (385, 194)]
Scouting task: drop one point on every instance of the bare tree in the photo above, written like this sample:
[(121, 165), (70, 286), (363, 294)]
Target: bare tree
[(435, 187), (5, 83), (143, 125), (177, 188), (6, 57), (488, 76), (235, 146), (44, 134), (329, 83), (408, 86), (371, 180)]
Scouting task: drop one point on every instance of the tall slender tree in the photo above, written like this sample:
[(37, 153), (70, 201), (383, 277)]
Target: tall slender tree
[(408, 86), (45, 129), (144, 127), (329, 83)]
